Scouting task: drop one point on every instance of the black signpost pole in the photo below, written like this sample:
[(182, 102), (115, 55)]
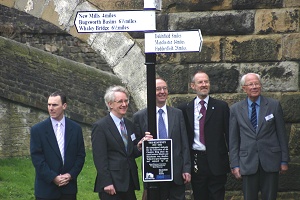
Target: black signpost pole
[(152, 187)]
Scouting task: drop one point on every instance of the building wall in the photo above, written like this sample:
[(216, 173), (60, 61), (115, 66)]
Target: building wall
[(240, 36)]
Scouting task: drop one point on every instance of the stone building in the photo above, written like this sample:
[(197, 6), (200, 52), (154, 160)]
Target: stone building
[(41, 51)]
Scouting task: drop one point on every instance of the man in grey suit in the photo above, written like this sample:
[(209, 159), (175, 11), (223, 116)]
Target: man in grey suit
[(257, 141), (114, 151), (175, 128)]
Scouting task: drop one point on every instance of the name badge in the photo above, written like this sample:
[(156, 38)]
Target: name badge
[(133, 137), (270, 116), (199, 116)]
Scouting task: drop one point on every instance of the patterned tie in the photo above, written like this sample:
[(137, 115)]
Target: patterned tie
[(161, 126), (60, 139), (202, 121), (124, 133), (253, 116)]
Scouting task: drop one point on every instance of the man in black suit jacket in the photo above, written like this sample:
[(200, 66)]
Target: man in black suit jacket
[(114, 151), (176, 131), (210, 157), (57, 170)]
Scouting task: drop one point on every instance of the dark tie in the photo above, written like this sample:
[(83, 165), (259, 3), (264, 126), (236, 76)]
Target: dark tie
[(202, 121), (253, 116), (124, 133), (161, 126)]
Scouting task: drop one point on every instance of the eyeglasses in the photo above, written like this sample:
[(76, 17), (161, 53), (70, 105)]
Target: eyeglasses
[(161, 88), (126, 101), (253, 85)]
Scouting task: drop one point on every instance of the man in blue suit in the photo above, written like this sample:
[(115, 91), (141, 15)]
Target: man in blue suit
[(57, 152)]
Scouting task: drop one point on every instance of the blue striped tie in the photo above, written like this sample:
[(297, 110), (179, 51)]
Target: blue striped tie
[(253, 115)]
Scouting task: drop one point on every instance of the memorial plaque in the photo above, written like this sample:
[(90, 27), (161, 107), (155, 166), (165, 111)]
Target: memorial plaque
[(157, 160)]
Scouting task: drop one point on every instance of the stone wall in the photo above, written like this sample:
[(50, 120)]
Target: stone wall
[(24, 28), (240, 36), (29, 76)]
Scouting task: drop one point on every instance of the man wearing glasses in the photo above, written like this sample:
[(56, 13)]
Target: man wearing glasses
[(207, 123), (258, 141), (114, 151), (170, 125)]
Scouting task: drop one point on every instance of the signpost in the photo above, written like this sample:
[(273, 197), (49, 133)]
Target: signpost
[(116, 21), (157, 153), (179, 41)]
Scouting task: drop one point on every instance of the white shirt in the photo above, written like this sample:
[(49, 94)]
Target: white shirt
[(117, 121), (63, 126), (197, 145), (165, 118)]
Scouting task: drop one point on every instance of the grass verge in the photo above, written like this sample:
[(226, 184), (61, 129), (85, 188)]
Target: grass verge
[(17, 179)]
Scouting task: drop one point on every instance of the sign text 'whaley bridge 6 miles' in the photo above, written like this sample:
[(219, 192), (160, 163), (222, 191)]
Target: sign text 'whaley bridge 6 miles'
[(178, 41), (116, 21)]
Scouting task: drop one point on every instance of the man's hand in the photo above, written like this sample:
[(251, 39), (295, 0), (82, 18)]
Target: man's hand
[(186, 177), (62, 179), (236, 173), (110, 189), (283, 168), (147, 136)]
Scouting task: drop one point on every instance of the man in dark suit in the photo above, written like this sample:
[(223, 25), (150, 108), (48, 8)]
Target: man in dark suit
[(258, 141), (207, 122), (175, 129), (57, 152), (114, 151)]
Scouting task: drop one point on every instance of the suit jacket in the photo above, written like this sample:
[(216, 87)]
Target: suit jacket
[(47, 159), (114, 164), (216, 133), (176, 132), (267, 145)]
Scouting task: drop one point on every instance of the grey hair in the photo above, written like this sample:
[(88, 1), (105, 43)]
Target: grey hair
[(197, 72), (110, 94), (243, 79)]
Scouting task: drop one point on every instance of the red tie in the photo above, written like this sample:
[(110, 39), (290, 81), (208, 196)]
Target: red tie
[(201, 121)]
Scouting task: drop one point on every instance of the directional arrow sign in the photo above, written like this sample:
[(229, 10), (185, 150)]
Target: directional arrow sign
[(117, 21), (179, 41)]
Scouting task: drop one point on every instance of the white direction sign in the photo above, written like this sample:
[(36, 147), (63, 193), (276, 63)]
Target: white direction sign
[(179, 41), (116, 21)]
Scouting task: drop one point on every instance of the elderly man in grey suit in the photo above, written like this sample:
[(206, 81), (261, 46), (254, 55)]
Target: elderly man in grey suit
[(258, 142), (175, 130)]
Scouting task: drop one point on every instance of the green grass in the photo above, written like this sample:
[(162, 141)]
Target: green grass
[(17, 179)]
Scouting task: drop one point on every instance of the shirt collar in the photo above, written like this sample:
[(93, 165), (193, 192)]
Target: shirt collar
[(197, 100), (116, 119), (164, 108), (250, 102), (62, 121)]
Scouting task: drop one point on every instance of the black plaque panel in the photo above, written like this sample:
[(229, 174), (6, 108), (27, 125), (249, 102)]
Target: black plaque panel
[(157, 160)]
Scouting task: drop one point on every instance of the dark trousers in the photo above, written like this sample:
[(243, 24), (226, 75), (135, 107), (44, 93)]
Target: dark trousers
[(129, 195), (205, 185), (63, 197), (165, 191), (265, 182), (171, 191)]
